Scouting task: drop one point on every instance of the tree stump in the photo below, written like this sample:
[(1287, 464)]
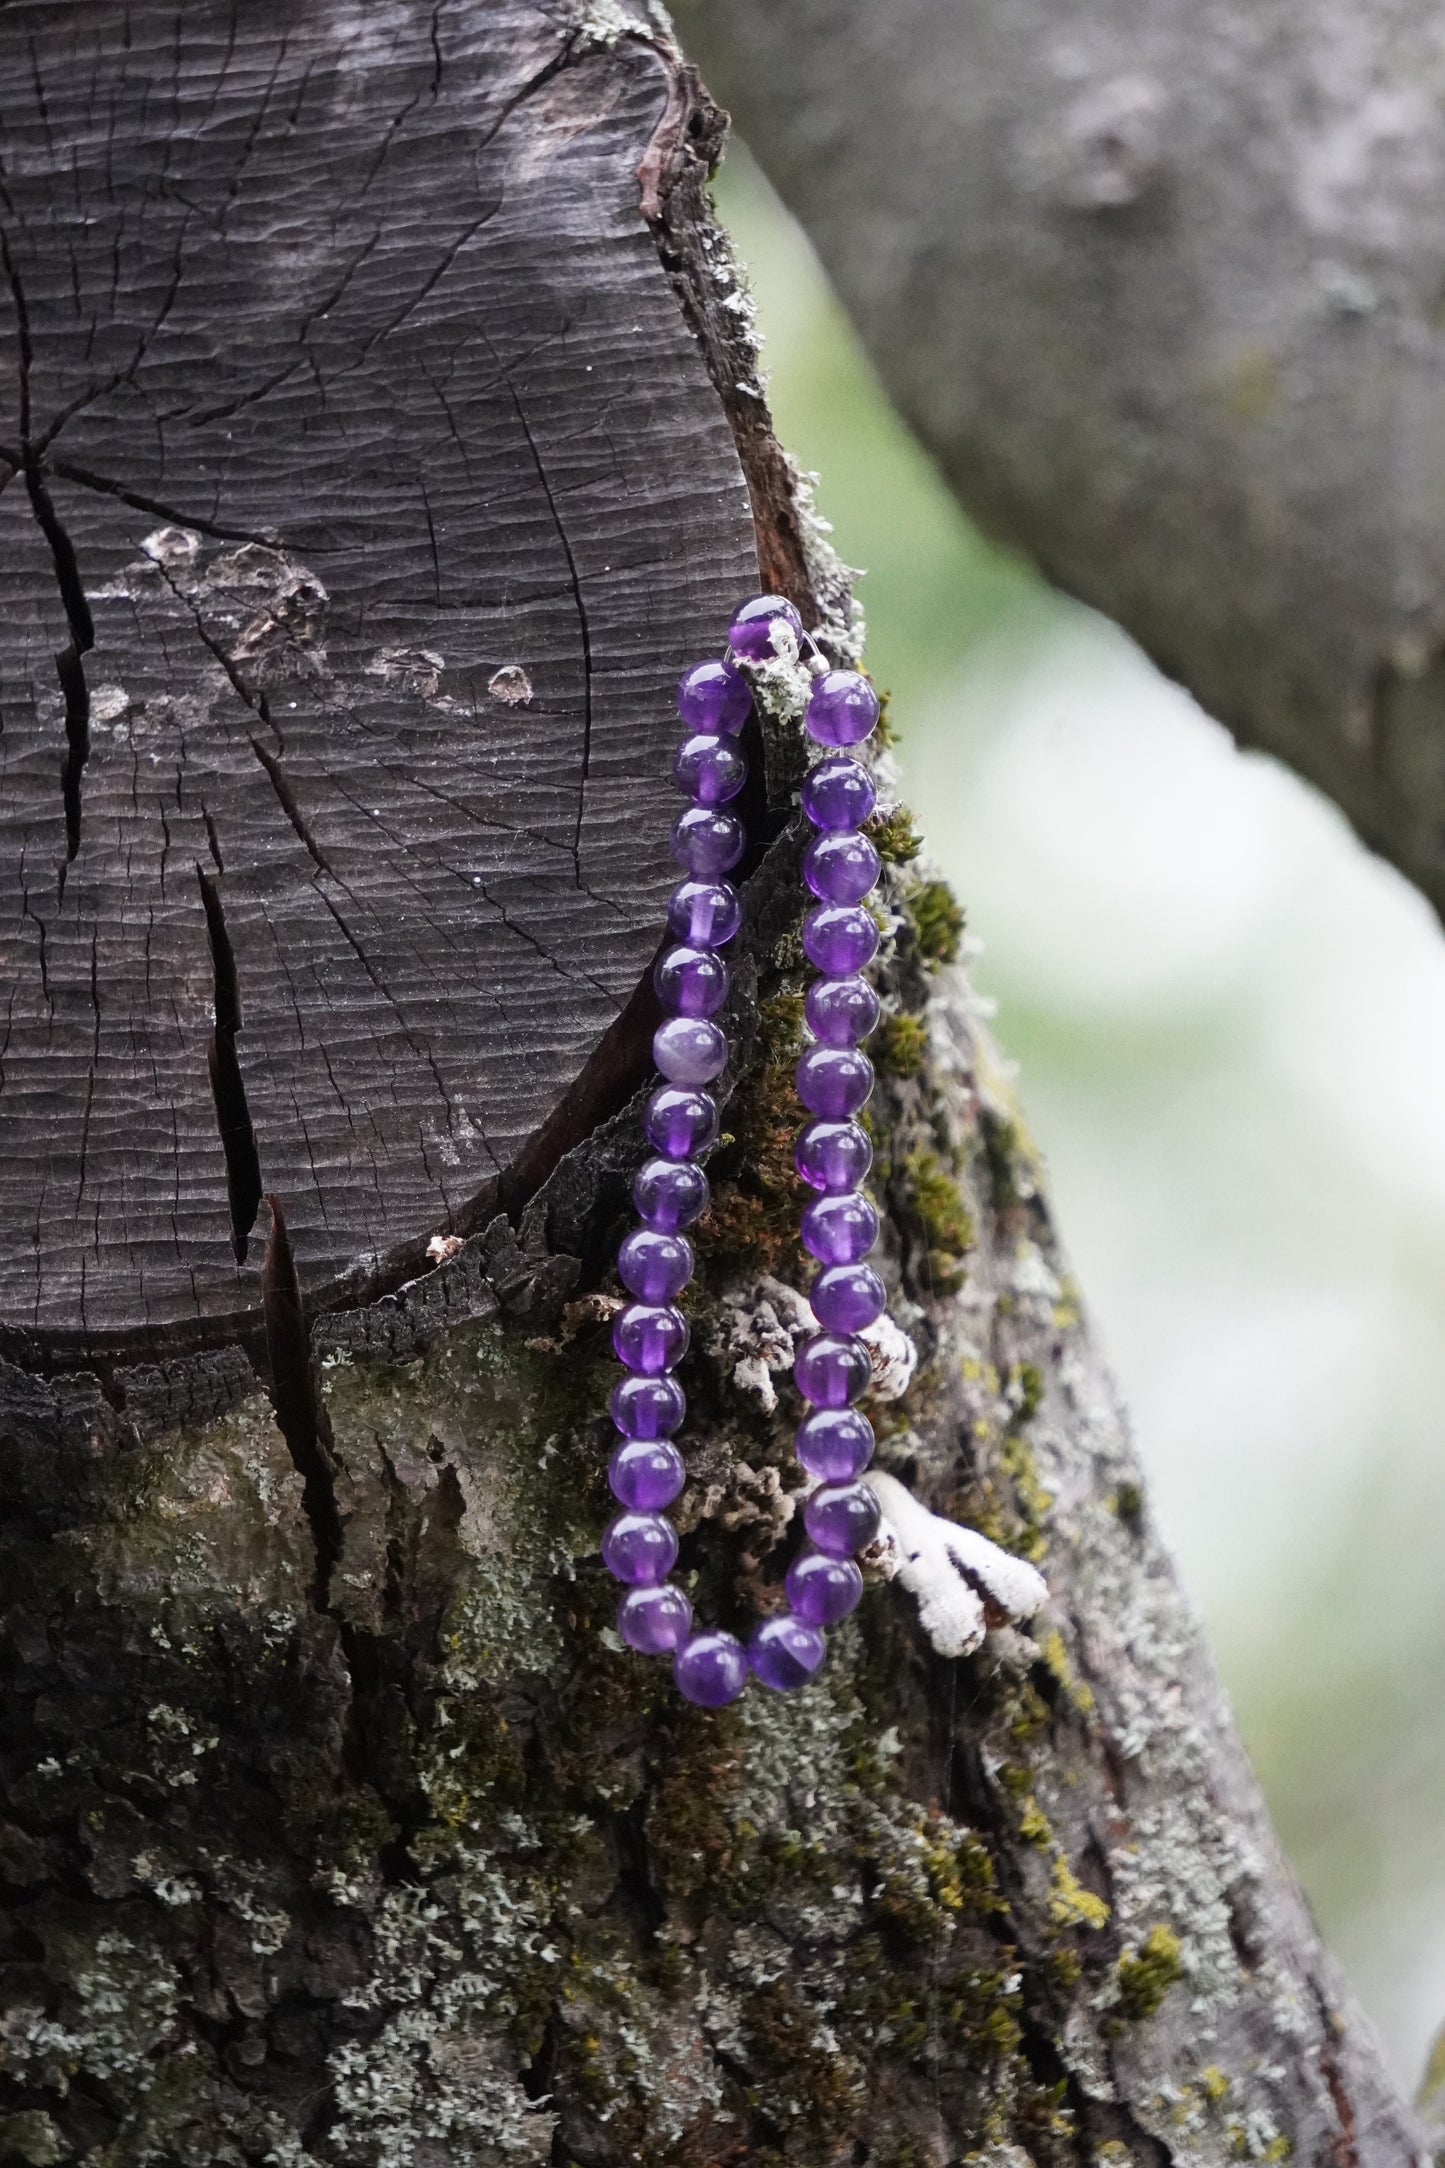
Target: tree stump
[(380, 436)]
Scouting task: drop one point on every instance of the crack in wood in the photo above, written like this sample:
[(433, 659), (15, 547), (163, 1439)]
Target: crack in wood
[(293, 1396), (228, 1088)]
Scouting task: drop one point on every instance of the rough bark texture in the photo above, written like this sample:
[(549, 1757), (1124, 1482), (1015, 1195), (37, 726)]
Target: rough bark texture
[(1159, 286), (335, 1825)]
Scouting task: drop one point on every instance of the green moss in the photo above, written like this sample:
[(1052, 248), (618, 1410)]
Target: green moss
[(935, 920), (894, 836), (751, 1224), (1146, 1975), (1071, 1905), (937, 1203), (900, 1044)]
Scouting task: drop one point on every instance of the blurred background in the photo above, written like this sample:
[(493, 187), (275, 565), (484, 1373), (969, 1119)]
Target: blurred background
[(1229, 1023)]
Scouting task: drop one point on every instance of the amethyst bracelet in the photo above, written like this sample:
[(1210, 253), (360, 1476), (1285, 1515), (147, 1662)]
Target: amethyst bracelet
[(834, 1441)]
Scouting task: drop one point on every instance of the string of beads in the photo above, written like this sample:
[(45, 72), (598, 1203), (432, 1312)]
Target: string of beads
[(834, 1441)]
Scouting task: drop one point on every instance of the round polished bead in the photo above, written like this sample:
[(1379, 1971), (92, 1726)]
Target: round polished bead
[(839, 1229), (838, 792), (706, 914), (681, 1122), (831, 1369), (654, 1621), (766, 629), (833, 1155), (834, 1444), (653, 1266), (689, 1050), (711, 1668), (690, 981), (840, 937), (841, 867), (669, 1193), (639, 1548), (707, 842), (821, 1589), (785, 1651), (840, 1012), (650, 1337), (834, 1081), (645, 1473), (846, 1298), (841, 1518), (714, 696), (842, 708), (709, 769), (648, 1407)]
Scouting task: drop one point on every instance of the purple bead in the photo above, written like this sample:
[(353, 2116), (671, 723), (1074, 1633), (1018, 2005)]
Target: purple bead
[(681, 1122), (834, 1444), (785, 1651), (708, 843), (655, 1267), (654, 1621), (841, 867), (690, 981), (648, 1407), (840, 1012), (841, 1518), (837, 1230), (839, 938), (766, 628), (842, 708), (709, 769), (714, 696), (669, 1193), (821, 1589), (838, 792), (711, 1668), (688, 1050), (833, 1155), (650, 1337), (832, 1369), (845, 1298), (639, 1548), (706, 914), (646, 1473), (834, 1081)]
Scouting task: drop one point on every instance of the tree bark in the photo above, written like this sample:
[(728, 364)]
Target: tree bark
[(1158, 286), (337, 1827)]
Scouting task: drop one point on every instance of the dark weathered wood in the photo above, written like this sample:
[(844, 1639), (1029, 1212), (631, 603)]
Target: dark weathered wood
[(363, 493)]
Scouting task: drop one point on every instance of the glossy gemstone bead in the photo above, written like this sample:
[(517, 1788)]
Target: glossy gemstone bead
[(654, 1621), (846, 1298), (645, 1473), (681, 1122), (841, 866), (841, 1518), (834, 1444), (714, 696), (839, 1229), (834, 1081), (785, 1651), (711, 1668), (669, 1193), (839, 938), (650, 1337), (833, 1155), (639, 1548), (842, 708), (821, 1589), (690, 981), (838, 792), (653, 1266), (832, 1369), (706, 914), (648, 1407), (689, 1050), (709, 769), (766, 629), (707, 842), (840, 1012)]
